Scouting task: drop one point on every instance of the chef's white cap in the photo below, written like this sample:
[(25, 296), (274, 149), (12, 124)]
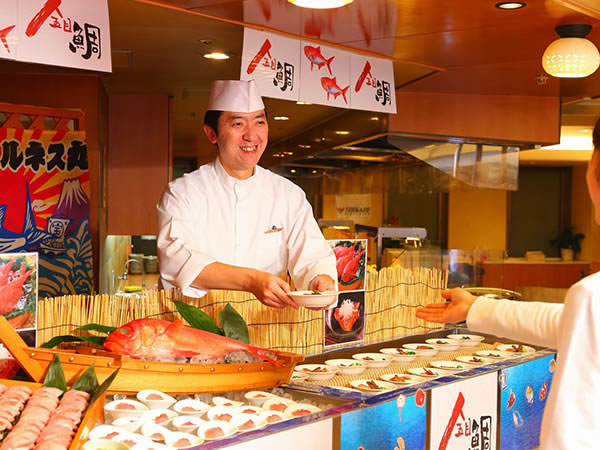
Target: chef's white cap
[(234, 96)]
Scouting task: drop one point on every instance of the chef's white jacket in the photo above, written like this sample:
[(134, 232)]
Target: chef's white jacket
[(263, 222), (572, 415)]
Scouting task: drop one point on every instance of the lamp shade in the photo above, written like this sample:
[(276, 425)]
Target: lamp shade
[(320, 4), (571, 57)]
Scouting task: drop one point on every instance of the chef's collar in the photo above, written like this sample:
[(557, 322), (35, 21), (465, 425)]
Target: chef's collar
[(230, 181)]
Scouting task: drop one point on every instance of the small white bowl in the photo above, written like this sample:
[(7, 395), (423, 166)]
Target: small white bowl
[(257, 398), (187, 424), (374, 360), (191, 407), (221, 413), (475, 360), (344, 388), (278, 404), (104, 444), (129, 424), (207, 431), (400, 354), (401, 378), (495, 354), (155, 432), (155, 399), (248, 409), (106, 432), (444, 345), (427, 372), (273, 416), (301, 409), (422, 349), (450, 365), (222, 401), (467, 340), (382, 385), (179, 439), (347, 366), (310, 299), (133, 439), (248, 422), (318, 372), (515, 349), (123, 408), (158, 416), (298, 377), (151, 446)]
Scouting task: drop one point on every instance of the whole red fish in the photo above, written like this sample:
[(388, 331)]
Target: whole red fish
[(316, 58), (331, 87), (11, 287), (161, 339)]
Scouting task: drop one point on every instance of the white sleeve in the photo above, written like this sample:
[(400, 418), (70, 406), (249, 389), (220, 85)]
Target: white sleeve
[(179, 261), (532, 322), (309, 253)]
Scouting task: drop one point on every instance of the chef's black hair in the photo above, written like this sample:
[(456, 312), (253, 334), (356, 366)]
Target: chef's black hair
[(596, 136), (211, 118)]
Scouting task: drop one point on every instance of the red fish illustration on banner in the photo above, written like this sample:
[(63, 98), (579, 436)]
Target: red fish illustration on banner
[(3, 34), (316, 58), (331, 87)]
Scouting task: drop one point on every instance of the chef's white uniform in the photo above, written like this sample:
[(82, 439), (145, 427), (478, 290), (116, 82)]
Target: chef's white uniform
[(572, 415), (263, 222)]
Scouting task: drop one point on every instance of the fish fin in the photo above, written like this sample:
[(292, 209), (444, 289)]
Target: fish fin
[(261, 353), (174, 328), (344, 93), (328, 62)]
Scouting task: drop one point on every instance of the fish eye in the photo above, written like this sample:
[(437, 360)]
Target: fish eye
[(125, 330)]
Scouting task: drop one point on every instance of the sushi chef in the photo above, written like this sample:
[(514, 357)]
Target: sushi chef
[(232, 224), (571, 417)]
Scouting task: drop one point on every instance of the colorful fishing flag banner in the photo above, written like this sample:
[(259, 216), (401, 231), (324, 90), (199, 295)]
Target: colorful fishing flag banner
[(44, 206), (296, 70), (70, 33)]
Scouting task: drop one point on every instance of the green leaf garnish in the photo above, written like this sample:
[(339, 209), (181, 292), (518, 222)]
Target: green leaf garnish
[(97, 340), (233, 324), (96, 327), (87, 382), (56, 376), (197, 318), (104, 386)]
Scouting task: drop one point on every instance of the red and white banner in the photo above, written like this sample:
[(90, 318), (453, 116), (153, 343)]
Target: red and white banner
[(70, 33), (373, 84)]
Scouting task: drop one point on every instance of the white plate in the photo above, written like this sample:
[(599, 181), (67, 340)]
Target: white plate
[(347, 366), (495, 354), (325, 372), (383, 385), (401, 378), (301, 409), (241, 422), (129, 424), (155, 399), (273, 416), (467, 340), (310, 299), (106, 432), (158, 414), (257, 398), (227, 429), (114, 409), (376, 361), (515, 349), (298, 377), (278, 404), (191, 407), (177, 436), (475, 360), (443, 344), (400, 354), (422, 349), (222, 401), (220, 413), (449, 365), (187, 423), (421, 372)]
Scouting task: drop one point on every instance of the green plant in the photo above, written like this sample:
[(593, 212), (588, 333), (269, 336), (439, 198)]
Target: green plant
[(568, 239)]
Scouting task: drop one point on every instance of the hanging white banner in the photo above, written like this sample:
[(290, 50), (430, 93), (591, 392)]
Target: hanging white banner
[(373, 84), (8, 32)]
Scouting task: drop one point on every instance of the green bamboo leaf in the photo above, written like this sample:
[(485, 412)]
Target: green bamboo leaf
[(97, 340), (197, 318), (56, 376), (87, 382), (233, 324), (104, 386), (96, 327)]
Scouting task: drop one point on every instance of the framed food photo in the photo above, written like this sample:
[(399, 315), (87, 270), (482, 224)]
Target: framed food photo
[(345, 324), (19, 292), (351, 263)]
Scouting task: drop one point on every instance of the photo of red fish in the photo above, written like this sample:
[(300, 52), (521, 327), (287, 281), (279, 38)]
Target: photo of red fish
[(316, 58), (420, 398), (350, 264), (544, 390), (331, 87), (347, 314), (512, 398)]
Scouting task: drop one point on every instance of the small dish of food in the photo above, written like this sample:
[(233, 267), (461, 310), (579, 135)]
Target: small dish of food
[(467, 340), (248, 409), (155, 399), (104, 444), (495, 354), (257, 398), (314, 299), (422, 349), (106, 432), (222, 401), (216, 429), (191, 407), (273, 416), (400, 354), (449, 365), (278, 404), (247, 422), (443, 344), (222, 413), (298, 377), (155, 432), (130, 424), (475, 360), (158, 416), (401, 378), (179, 439), (187, 424), (301, 409), (515, 348), (374, 360), (317, 372), (428, 372), (347, 366), (372, 385), (125, 408)]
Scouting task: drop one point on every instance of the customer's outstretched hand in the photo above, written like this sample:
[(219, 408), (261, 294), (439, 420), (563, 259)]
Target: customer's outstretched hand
[(454, 310)]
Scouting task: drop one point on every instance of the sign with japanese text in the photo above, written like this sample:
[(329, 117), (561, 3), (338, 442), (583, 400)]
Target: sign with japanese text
[(70, 33), (464, 414), (325, 75), (44, 206), (273, 61), (373, 84)]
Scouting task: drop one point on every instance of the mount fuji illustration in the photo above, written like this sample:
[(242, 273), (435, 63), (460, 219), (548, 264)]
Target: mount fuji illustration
[(73, 204)]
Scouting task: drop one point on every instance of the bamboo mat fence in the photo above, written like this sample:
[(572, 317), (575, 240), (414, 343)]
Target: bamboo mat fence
[(392, 296)]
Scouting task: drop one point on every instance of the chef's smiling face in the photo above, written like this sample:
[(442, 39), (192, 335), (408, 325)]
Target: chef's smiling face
[(241, 139)]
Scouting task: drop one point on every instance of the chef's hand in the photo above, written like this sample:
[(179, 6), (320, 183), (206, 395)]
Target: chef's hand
[(322, 283), (271, 290), (456, 310)]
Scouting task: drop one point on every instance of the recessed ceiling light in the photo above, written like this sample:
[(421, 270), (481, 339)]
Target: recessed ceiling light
[(293, 170), (304, 146), (342, 132), (511, 5), (216, 55), (303, 103), (320, 4), (288, 153), (281, 118), (374, 118), (314, 171)]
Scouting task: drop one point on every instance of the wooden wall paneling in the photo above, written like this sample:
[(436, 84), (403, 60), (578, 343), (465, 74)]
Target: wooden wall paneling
[(139, 161)]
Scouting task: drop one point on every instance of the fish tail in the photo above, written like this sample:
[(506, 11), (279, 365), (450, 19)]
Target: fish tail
[(328, 62), (261, 353), (344, 93)]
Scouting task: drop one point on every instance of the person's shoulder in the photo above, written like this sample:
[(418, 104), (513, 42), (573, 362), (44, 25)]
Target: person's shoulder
[(587, 288), (202, 176), (280, 183)]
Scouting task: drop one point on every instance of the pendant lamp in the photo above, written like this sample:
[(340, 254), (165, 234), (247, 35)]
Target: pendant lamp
[(320, 4), (571, 56)]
